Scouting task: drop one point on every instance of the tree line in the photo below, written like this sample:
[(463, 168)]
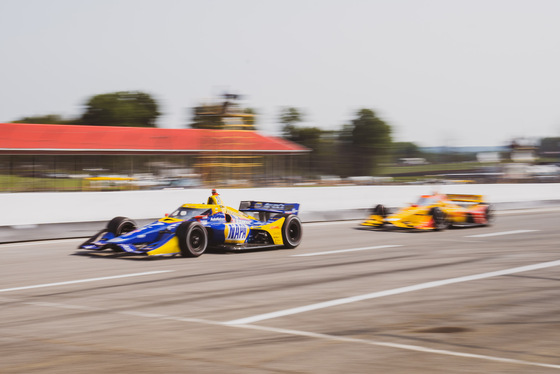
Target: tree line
[(124, 108), (356, 149)]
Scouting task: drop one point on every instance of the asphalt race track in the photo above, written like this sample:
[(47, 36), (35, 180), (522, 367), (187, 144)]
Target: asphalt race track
[(477, 300)]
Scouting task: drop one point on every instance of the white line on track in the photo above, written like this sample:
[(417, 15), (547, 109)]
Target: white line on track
[(170, 318), (346, 250), (407, 347), (527, 211), (500, 233), (84, 280), (341, 339), (395, 291)]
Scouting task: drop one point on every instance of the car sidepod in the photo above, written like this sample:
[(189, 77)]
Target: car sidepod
[(236, 233), (410, 218)]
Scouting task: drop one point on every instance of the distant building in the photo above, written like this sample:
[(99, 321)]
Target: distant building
[(523, 150)]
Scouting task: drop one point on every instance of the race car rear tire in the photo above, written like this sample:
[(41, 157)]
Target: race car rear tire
[(440, 220), (489, 215), (121, 225), (292, 231), (193, 239)]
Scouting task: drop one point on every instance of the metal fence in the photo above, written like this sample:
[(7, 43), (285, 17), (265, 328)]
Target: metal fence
[(32, 173)]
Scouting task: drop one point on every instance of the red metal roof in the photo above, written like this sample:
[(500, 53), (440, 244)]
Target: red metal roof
[(17, 138)]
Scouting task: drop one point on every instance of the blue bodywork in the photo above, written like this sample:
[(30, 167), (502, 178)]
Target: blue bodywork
[(225, 227)]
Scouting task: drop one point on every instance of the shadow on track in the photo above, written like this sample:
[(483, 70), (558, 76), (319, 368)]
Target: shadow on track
[(133, 257)]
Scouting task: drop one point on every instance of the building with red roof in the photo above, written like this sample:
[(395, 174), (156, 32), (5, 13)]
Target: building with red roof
[(216, 156)]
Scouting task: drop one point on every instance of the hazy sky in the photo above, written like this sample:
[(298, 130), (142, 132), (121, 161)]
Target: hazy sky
[(441, 72)]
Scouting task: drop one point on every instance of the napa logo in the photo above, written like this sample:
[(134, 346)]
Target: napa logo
[(237, 232)]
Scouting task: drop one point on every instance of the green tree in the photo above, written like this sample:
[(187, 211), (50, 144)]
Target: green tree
[(370, 139), (549, 147), (49, 119), (306, 136), (323, 154), (406, 150), (126, 108), (289, 116)]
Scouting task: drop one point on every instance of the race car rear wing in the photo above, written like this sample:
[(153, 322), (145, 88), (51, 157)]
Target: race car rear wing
[(262, 206), (466, 198)]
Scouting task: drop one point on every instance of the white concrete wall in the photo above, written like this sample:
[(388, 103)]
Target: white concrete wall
[(59, 207)]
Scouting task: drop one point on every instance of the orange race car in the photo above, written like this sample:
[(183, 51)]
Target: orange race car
[(435, 212)]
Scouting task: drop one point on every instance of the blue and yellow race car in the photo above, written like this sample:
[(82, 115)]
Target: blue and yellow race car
[(193, 228)]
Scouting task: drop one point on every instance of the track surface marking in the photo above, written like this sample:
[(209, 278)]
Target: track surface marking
[(84, 280), (395, 291), (346, 250), (500, 233)]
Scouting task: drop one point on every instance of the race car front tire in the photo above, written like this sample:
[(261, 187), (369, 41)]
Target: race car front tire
[(121, 225), (193, 239), (292, 231), (380, 210)]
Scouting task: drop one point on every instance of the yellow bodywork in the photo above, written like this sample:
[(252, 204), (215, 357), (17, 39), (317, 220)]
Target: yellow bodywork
[(274, 229), (409, 217), (215, 203), (454, 206), (171, 247)]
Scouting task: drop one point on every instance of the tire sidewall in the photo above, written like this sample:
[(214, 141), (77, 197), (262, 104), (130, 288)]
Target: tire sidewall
[(439, 219), (489, 215), (380, 210), (291, 223), (185, 232), (118, 224)]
